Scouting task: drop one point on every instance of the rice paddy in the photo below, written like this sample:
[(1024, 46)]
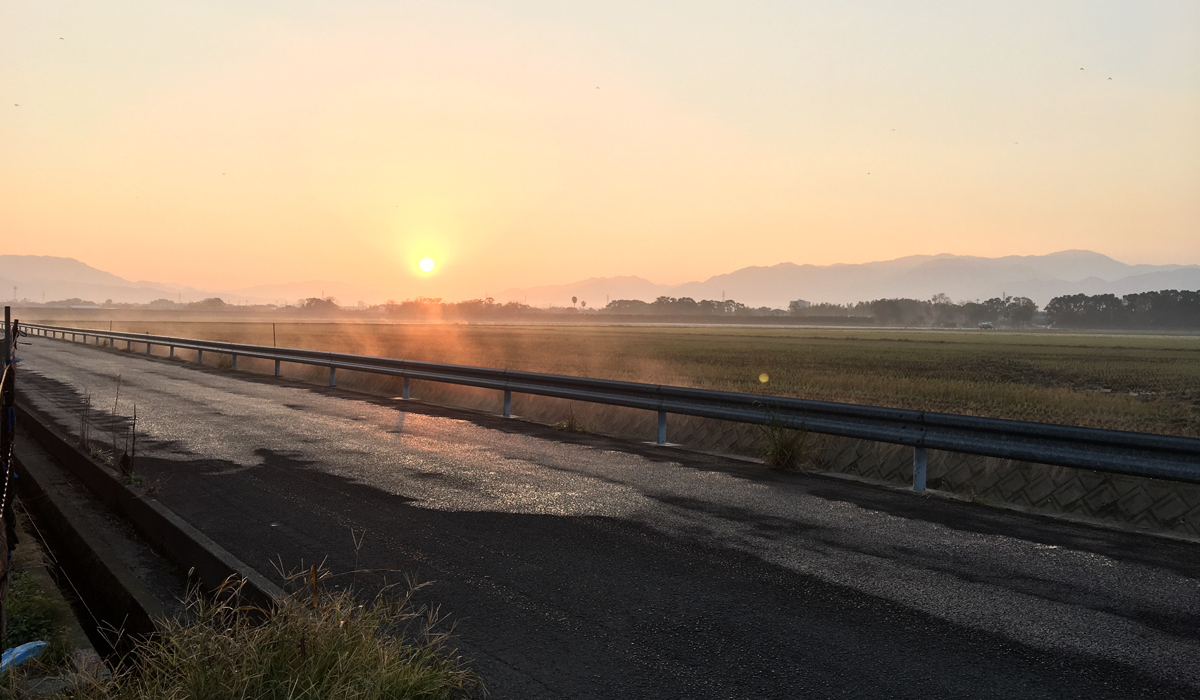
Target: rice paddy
[(1148, 383)]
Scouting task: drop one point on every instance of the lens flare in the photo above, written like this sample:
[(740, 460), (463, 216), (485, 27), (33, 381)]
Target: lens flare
[(763, 378), (427, 265)]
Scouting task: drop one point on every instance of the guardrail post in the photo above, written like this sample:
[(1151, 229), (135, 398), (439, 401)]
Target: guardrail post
[(147, 348), (920, 459), (129, 345), (507, 403), (662, 427), (406, 386), (277, 368), (234, 362), (333, 376), (170, 351), (199, 357)]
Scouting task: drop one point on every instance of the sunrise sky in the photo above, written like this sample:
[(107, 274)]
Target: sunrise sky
[(228, 144)]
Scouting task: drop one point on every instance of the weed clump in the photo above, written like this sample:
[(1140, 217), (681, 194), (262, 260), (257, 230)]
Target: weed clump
[(314, 646), (786, 449), (571, 423)]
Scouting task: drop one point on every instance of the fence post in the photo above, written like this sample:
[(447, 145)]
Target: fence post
[(662, 427), (277, 368), (406, 384), (8, 346), (920, 460), (507, 403), (333, 376)]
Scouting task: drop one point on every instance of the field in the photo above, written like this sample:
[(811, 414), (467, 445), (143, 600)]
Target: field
[(1148, 383)]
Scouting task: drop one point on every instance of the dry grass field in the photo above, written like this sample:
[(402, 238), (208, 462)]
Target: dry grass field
[(1128, 382)]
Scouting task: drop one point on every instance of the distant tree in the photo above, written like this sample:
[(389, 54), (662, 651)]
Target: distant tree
[(583, 304), (574, 300), (315, 305), (1019, 311), (628, 306)]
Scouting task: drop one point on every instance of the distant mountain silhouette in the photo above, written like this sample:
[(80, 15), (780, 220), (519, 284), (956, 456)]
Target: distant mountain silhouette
[(39, 277), (1039, 277)]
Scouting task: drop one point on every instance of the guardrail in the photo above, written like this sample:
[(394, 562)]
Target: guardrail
[(1135, 454)]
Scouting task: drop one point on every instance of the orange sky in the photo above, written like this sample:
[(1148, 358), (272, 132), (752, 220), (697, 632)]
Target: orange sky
[(209, 144)]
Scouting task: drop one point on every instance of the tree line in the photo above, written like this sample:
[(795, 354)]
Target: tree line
[(1168, 308), (1163, 309)]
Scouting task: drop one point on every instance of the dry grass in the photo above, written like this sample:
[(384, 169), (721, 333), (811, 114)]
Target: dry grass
[(315, 645), (1131, 382), (786, 450)]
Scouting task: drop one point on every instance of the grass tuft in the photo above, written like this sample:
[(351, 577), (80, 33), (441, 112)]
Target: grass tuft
[(309, 647), (571, 423), (787, 449)]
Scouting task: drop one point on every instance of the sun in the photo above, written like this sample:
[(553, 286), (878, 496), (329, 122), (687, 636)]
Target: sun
[(426, 264)]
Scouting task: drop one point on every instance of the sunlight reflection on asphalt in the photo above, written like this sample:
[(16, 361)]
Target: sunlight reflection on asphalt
[(453, 464)]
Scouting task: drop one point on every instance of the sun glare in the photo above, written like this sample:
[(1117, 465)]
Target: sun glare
[(427, 264)]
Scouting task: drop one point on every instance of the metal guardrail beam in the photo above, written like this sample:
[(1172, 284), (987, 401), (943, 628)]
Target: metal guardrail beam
[(1135, 454)]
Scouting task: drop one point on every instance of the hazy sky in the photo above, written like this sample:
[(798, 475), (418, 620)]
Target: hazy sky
[(226, 144)]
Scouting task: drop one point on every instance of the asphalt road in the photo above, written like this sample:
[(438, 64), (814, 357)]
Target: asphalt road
[(588, 567)]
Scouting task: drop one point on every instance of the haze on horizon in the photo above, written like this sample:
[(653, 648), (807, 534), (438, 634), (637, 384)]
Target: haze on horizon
[(223, 144)]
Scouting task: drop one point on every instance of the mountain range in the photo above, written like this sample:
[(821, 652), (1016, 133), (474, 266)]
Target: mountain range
[(963, 278)]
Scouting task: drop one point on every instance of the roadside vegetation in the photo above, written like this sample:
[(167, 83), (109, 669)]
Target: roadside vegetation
[(36, 612), (315, 645), (34, 615), (788, 450)]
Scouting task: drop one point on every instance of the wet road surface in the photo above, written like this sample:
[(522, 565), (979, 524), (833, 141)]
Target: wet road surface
[(588, 567)]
